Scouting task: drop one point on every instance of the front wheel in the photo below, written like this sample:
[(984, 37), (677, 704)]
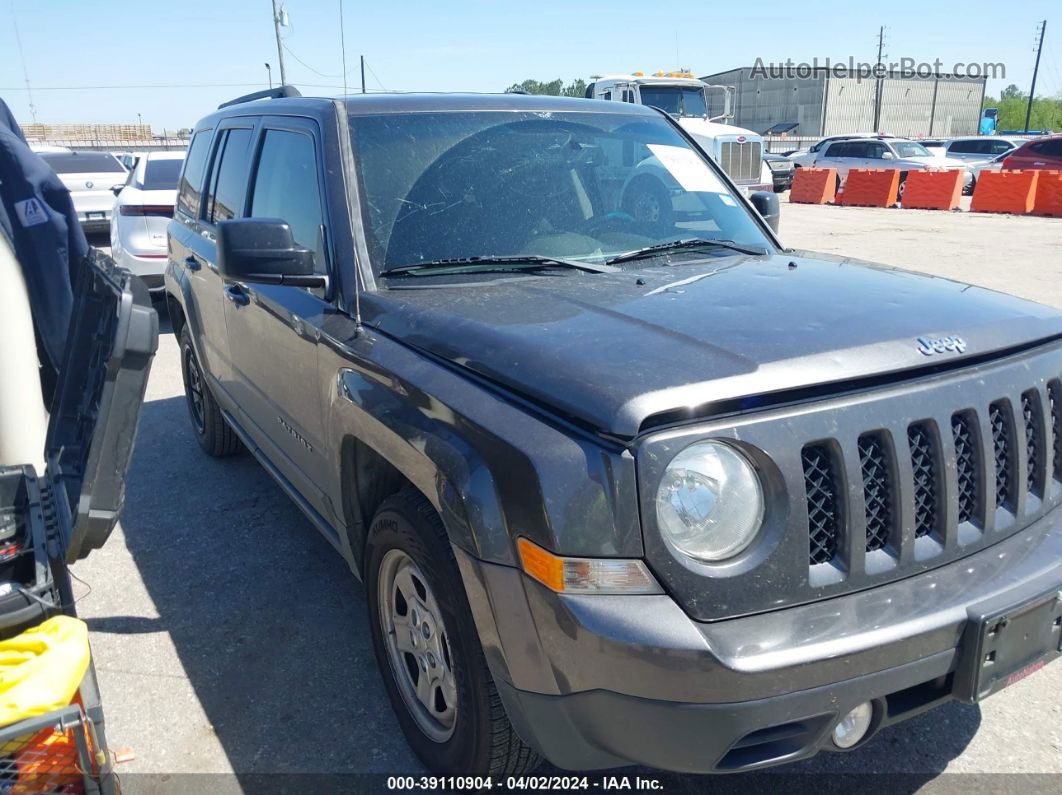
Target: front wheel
[(428, 649), (647, 201)]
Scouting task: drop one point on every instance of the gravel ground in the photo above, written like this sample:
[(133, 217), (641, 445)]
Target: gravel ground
[(230, 639)]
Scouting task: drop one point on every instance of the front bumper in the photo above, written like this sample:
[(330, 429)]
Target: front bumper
[(605, 681), (783, 180)]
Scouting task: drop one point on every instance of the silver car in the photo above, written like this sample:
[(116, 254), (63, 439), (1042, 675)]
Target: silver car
[(894, 153), (980, 148)]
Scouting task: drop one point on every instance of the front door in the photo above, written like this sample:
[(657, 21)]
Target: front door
[(274, 330)]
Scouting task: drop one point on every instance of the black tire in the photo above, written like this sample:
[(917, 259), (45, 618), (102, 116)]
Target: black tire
[(482, 740), (211, 430), (648, 202), (899, 188)]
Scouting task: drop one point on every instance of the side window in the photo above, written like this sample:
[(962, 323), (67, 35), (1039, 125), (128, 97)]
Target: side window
[(286, 187), (1051, 148), (607, 95), (963, 147), (225, 194), (192, 175), (875, 151), (998, 147)]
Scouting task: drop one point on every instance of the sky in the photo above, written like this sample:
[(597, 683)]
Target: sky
[(106, 61)]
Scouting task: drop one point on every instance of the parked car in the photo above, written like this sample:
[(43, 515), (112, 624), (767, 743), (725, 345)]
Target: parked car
[(806, 157), (782, 170), (622, 491), (128, 159), (936, 146), (90, 178), (142, 211), (995, 164), (981, 148), (1040, 153), (893, 153), (38, 147)]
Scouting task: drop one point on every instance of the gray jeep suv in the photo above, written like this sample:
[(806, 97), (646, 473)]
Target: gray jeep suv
[(626, 480)]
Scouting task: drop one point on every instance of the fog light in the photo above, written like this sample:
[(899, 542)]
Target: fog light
[(853, 727)]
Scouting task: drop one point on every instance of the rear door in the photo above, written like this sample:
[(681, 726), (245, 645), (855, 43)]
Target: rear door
[(192, 255), (842, 156), (274, 330), (224, 194)]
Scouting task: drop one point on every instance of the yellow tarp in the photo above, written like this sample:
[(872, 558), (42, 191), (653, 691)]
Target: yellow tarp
[(41, 669)]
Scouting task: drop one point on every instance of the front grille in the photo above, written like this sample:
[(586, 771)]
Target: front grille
[(1034, 439), (967, 465), (824, 519), (741, 161), (877, 489), (1054, 392), (998, 417), (883, 492), (924, 470)]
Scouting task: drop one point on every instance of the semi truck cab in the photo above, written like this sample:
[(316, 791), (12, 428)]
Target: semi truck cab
[(738, 151)]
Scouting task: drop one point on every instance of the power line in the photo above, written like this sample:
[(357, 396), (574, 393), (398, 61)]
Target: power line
[(369, 66), (25, 71)]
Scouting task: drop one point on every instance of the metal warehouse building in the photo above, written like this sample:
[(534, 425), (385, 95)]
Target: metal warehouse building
[(831, 101)]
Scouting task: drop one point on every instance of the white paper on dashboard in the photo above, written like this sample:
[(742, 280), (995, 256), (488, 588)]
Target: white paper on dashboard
[(692, 173)]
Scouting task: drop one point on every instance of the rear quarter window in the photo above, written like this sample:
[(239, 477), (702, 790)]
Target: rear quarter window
[(191, 182)]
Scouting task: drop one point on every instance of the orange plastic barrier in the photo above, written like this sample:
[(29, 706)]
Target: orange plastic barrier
[(870, 187), (1005, 192), (1048, 194), (813, 185), (932, 190)]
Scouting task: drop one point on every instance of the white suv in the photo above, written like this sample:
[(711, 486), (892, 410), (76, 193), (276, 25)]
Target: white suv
[(895, 153)]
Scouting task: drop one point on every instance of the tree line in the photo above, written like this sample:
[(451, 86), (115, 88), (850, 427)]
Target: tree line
[(1012, 103)]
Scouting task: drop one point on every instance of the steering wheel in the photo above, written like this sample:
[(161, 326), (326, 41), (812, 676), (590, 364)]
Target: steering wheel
[(615, 221)]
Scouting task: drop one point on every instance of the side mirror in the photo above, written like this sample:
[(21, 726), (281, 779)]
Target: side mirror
[(888, 156), (766, 205), (116, 189), (263, 251)]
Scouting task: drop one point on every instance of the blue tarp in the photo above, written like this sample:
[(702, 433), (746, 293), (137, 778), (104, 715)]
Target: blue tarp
[(37, 216)]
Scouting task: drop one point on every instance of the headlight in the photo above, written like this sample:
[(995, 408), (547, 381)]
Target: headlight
[(709, 505)]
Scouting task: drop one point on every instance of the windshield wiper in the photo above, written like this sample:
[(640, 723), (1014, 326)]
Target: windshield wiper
[(690, 242), (517, 261)]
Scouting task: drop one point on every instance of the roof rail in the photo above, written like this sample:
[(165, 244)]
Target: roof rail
[(270, 93)]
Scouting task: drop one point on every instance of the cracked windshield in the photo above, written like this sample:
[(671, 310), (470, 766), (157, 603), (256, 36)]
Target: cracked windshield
[(582, 187)]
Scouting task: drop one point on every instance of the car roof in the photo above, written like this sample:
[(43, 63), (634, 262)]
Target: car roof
[(170, 154), (375, 104)]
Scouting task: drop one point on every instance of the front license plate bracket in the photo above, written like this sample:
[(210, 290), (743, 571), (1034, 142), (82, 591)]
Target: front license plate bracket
[(1003, 646)]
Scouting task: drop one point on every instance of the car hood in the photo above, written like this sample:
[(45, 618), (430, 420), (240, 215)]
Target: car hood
[(613, 350)]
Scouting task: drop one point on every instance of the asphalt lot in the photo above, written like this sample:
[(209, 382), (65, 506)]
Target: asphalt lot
[(230, 638)]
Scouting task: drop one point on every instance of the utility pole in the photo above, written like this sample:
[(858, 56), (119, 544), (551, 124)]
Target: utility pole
[(363, 74), (280, 48), (1032, 91), (878, 83)]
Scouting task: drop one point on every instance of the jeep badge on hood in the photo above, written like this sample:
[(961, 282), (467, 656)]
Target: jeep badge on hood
[(931, 345)]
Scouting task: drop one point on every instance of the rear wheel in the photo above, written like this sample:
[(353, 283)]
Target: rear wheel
[(428, 649), (211, 429)]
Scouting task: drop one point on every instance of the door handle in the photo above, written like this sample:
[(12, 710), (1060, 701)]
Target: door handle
[(192, 262), (236, 294)]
